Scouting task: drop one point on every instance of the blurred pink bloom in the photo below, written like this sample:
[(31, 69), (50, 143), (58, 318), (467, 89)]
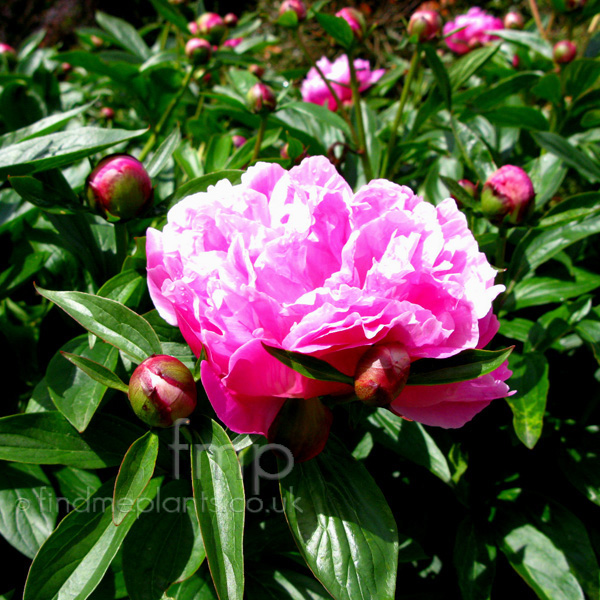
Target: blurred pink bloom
[(474, 26), (315, 90), (298, 261), (232, 43)]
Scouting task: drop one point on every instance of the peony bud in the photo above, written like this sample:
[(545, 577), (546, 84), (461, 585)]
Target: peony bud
[(106, 112), (355, 19), (257, 71), (193, 27), (564, 52), (302, 426), (516, 61), (6, 49), (230, 20), (198, 50), (381, 374), (514, 20), (97, 41), (425, 24), (238, 140), (261, 98), (285, 151), (162, 390), (66, 68), (468, 186), (212, 26), (508, 193), (296, 6), (119, 187)]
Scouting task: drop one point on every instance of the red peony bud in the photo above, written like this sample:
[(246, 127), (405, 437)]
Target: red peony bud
[(119, 187), (355, 19), (198, 50), (238, 140), (425, 24), (468, 186), (230, 20), (162, 390), (257, 71), (302, 426), (296, 6), (212, 26), (106, 112), (381, 374), (193, 27), (6, 49), (508, 193), (97, 41), (261, 98), (514, 20), (564, 52)]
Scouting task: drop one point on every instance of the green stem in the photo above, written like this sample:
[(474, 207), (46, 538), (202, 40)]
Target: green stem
[(414, 63), (360, 127), (500, 253), (165, 116), (259, 137), (536, 17), (164, 36), (121, 242)]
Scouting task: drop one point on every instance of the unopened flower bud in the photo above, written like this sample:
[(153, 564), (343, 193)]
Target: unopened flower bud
[(468, 186), (162, 390), (193, 27), (285, 151), (119, 187), (66, 67), (257, 70), (381, 374), (516, 61), (198, 50), (238, 140), (302, 426), (212, 26), (508, 193), (296, 6), (106, 112), (425, 24), (6, 49), (230, 20), (514, 20), (564, 52), (97, 41), (261, 98), (355, 19)]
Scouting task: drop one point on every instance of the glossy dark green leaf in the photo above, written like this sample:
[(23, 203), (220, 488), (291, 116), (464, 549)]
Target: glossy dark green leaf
[(580, 462), (76, 485), (440, 74), (160, 158), (170, 539), (73, 391), (525, 117), (220, 506), (119, 71), (198, 587), (218, 151), (135, 472), (28, 507), (124, 34), (469, 64), (97, 372), (473, 149), (201, 184), (529, 39), (572, 209), (337, 28), (467, 365), (320, 113), (509, 86), (475, 561), (40, 400), (113, 322), (73, 560), (309, 366), (530, 379), (547, 173), (458, 192), (558, 145), (47, 438), (59, 149), (410, 440), (171, 340), (127, 287), (342, 525), (580, 75), (280, 584), (549, 88), (171, 14), (19, 273)]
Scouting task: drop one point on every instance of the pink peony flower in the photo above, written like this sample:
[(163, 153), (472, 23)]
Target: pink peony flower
[(233, 42), (474, 26), (315, 90), (298, 261)]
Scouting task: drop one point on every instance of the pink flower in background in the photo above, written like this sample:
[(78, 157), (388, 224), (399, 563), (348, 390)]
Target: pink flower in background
[(298, 261), (315, 90), (233, 42), (473, 26)]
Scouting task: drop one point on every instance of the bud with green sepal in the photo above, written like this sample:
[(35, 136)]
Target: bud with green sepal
[(508, 194)]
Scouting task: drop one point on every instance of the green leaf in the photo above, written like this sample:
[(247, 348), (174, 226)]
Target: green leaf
[(171, 14), (549, 88), (217, 152), (576, 207), (309, 366), (475, 561), (197, 587), (474, 151), (19, 273), (467, 365), (201, 184), (220, 506), (114, 323), (60, 149), (530, 379), (119, 71), (124, 34), (276, 585), (73, 560), (580, 462), (497, 93), (74, 392), (529, 39), (337, 28), (172, 545), (458, 192), (558, 145), (579, 76), (524, 117), (410, 440), (165, 151), (76, 485), (49, 191), (469, 64), (127, 287), (547, 173), (440, 74), (97, 372), (342, 525), (320, 113), (136, 471), (28, 507), (47, 438)]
